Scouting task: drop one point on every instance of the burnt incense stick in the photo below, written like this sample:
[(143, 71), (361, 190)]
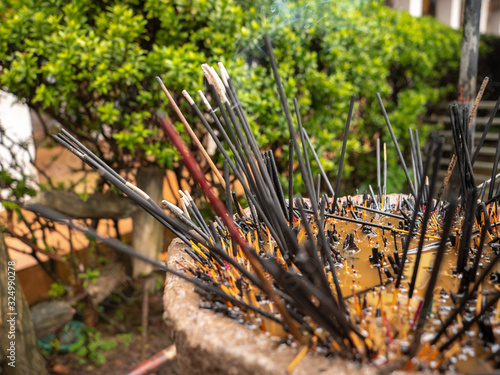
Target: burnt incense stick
[(290, 184), (120, 246), (470, 212), (479, 253), (91, 154), (465, 135), (384, 193), (318, 162), (417, 178), (342, 155), (222, 212), (247, 183), (318, 187), (307, 165), (141, 198), (375, 201), (486, 131), (420, 163), (180, 215), (406, 244), (259, 171), (277, 183), (396, 145), (281, 93), (428, 207), (379, 182), (190, 131), (237, 166), (465, 300), (422, 317), (494, 169), (231, 142), (389, 214), (304, 146), (251, 196), (458, 148), (467, 324), (229, 202)]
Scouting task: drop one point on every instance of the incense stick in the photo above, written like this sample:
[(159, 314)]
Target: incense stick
[(342, 155), (191, 132), (395, 141)]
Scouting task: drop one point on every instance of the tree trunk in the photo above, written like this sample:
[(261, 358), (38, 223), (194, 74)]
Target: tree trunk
[(18, 349), (148, 232), (468, 72), (470, 53)]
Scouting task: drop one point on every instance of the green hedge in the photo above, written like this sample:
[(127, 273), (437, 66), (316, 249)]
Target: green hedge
[(328, 51), (91, 65)]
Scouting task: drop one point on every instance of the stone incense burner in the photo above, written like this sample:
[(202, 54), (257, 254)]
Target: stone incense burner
[(211, 343)]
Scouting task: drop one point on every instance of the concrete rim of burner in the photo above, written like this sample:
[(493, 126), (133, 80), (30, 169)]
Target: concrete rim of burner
[(211, 343)]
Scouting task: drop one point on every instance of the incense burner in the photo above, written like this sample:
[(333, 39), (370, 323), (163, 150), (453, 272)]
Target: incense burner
[(210, 343)]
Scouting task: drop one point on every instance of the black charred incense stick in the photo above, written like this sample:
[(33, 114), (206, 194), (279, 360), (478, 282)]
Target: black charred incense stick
[(395, 141), (416, 175), (486, 131), (470, 212), (342, 155), (428, 208), (229, 202), (318, 162), (419, 155), (130, 190), (422, 317), (479, 252), (318, 186), (465, 300), (274, 67), (413, 221), (307, 165), (494, 169), (304, 146), (290, 184), (120, 246), (469, 323), (221, 211), (389, 214), (379, 183), (385, 173)]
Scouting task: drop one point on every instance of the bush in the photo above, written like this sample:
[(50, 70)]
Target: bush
[(91, 65), (328, 51)]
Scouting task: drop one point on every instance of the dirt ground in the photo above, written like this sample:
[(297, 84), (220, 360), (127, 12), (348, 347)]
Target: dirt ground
[(118, 360)]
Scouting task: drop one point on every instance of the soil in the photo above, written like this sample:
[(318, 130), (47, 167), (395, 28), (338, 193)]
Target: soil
[(122, 359)]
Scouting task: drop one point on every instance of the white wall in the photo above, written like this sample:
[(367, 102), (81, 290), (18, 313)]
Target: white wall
[(449, 12), (414, 7), (15, 120)]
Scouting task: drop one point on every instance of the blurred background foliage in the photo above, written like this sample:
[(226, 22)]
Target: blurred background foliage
[(91, 65)]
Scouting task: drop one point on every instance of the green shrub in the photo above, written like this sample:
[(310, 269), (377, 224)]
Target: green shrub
[(91, 65), (328, 51)]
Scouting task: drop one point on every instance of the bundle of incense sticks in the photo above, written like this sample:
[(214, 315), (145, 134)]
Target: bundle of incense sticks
[(396, 281)]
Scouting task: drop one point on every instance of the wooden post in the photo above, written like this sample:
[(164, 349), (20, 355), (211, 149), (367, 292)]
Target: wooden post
[(148, 232), (18, 349)]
